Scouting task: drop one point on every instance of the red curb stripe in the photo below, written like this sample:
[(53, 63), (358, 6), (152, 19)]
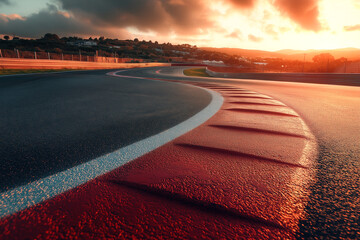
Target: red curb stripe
[(181, 192)]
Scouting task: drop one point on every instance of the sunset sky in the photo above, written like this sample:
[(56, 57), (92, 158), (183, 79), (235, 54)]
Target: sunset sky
[(252, 24)]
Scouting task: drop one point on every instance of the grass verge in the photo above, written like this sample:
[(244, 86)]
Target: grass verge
[(196, 72), (25, 71)]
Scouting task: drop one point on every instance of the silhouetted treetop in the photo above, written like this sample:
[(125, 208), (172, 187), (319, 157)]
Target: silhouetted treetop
[(323, 57), (51, 37)]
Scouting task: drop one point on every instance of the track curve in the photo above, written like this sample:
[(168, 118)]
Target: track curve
[(244, 173)]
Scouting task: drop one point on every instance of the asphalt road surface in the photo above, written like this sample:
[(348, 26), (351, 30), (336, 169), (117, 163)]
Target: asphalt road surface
[(321, 78), (51, 122), (333, 114), (40, 124)]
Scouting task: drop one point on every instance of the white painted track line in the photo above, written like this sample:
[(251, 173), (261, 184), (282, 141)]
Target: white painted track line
[(25, 196)]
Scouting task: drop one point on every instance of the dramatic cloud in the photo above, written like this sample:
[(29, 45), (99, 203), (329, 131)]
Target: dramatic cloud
[(270, 30), (243, 3), (159, 18), (267, 24), (254, 38), (235, 34), (47, 20), (303, 12), (183, 17), (352, 28), (4, 2), (7, 18)]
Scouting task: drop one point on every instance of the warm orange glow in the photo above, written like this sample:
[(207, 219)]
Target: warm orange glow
[(265, 27), (249, 24)]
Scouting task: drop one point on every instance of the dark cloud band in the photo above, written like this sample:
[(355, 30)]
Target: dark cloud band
[(47, 20), (303, 12), (7, 2), (162, 16), (180, 16)]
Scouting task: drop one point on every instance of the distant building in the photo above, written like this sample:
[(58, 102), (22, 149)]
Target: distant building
[(213, 63), (261, 63), (83, 43), (90, 43), (180, 52)]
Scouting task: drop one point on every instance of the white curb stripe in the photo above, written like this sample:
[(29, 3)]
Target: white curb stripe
[(23, 197)]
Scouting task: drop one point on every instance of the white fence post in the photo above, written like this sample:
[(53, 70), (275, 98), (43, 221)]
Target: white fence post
[(17, 53)]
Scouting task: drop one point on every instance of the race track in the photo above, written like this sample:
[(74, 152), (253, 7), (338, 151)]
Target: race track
[(278, 160)]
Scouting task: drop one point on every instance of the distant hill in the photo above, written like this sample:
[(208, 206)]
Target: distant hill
[(246, 52), (349, 53)]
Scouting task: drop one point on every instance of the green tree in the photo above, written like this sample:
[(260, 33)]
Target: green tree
[(324, 62), (51, 37), (323, 58), (58, 50)]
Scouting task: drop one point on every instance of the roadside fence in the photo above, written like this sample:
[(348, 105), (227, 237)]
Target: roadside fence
[(81, 56)]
